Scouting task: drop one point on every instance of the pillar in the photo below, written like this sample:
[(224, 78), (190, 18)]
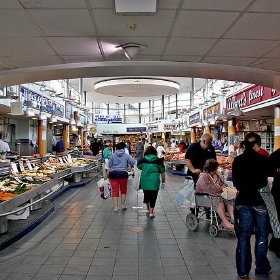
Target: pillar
[(193, 138), (231, 139), (276, 128), (65, 135), (81, 134), (207, 128), (42, 137)]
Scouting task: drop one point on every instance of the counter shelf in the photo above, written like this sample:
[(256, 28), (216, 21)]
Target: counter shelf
[(6, 207)]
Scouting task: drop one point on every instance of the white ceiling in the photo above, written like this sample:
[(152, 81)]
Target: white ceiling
[(218, 39)]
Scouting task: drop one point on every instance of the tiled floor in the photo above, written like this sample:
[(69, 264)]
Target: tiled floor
[(85, 239)]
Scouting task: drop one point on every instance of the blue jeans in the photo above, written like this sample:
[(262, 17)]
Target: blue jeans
[(249, 218)]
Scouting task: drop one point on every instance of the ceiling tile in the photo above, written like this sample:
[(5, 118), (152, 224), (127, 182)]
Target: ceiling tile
[(237, 61), (25, 46), (188, 46), (82, 58), (75, 45), (203, 24), (11, 4), (219, 5), (274, 53), (262, 6), (242, 48), (104, 4), (50, 4), (64, 22), (251, 26), (15, 23), (109, 24)]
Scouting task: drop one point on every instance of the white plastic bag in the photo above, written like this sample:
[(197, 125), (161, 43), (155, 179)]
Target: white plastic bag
[(136, 179), (106, 163), (104, 188), (186, 195)]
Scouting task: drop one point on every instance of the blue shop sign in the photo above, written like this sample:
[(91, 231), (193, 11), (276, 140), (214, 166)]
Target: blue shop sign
[(136, 129), (108, 118), (194, 118), (39, 100)]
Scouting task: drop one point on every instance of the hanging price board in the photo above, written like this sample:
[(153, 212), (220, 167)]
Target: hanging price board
[(28, 165), (21, 166), (14, 168)]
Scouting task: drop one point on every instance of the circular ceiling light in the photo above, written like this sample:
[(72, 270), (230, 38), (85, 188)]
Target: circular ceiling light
[(136, 87)]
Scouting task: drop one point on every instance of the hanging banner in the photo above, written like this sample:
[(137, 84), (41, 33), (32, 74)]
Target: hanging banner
[(171, 126), (212, 112), (136, 129), (39, 100), (193, 119), (251, 96), (108, 119)]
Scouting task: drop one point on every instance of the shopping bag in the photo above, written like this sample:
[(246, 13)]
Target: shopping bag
[(136, 179), (106, 163), (104, 188), (186, 195), (229, 193)]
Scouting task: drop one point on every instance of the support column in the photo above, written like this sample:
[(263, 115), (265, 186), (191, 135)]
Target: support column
[(42, 137), (162, 107), (207, 128), (81, 134), (231, 138), (139, 109), (276, 128), (176, 106), (65, 135), (193, 138), (150, 110)]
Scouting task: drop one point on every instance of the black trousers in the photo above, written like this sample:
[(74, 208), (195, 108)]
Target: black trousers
[(150, 197)]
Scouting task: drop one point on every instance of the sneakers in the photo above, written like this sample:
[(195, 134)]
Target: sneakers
[(264, 275), (152, 215), (124, 207), (116, 209)]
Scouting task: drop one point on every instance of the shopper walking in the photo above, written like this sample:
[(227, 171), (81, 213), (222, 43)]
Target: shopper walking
[(197, 154), (160, 151), (152, 169), (139, 148), (249, 173), (107, 153), (4, 146), (118, 175)]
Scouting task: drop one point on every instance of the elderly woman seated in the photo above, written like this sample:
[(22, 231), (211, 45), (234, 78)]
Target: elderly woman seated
[(210, 182)]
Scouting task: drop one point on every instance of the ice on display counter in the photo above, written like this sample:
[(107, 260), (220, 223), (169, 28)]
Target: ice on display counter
[(27, 182)]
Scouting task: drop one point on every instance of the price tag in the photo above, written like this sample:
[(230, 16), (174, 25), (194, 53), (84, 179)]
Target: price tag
[(29, 165), (14, 168), (21, 166), (69, 158)]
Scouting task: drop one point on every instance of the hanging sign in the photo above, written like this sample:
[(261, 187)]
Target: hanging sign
[(108, 118), (136, 129), (212, 112), (39, 100), (251, 96), (193, 119), (171, 126)]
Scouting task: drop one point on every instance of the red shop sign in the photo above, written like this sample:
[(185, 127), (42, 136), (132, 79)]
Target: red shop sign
[(251, 96)]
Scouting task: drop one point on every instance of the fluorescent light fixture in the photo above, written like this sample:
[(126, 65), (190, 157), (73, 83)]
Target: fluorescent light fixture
[(136, 6)]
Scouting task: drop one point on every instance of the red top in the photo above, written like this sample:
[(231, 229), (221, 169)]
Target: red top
[(263, 152)]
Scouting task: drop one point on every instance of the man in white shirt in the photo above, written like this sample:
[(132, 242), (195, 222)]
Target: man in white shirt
[(160, 151), (4, 147)]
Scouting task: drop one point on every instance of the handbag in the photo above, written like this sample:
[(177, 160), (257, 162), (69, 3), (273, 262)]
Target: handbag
[(229, 193), (136, 179)]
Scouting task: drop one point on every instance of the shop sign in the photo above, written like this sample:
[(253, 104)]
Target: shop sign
[(108, 118), (39, 100), (211, 112), (251, 96), (68, 110), (171, 126), (136, 129), (193, 119), (152, 128)]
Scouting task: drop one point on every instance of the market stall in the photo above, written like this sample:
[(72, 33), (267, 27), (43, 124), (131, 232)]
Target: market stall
[(175, 161), (26, 183)]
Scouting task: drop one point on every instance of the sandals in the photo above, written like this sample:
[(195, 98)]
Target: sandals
[(228, 226)]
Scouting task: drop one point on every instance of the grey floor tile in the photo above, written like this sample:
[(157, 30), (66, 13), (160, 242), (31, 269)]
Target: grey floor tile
[(51, 269), (72, 277), (46, 276), (19, 276), (27, 268), (79, 261), (175, 270), (150, 270), (125, 270), (76, 270), (200, 269), (100, 270)]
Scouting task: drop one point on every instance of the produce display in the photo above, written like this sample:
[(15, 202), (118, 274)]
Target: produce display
[(175, 156), (11, 187), (29, 176)]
